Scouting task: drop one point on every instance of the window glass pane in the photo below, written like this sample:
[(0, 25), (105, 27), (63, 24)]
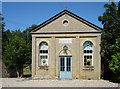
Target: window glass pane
[(43, 46), (85, 51), (88, 45), (63, 62), (40, 57), (60, 61), (68, 63), (62, 65), (88, 63), (45, 57), (87, 57), (43, 51), (90, 51), (84, 60), (90, 57), (40, 51)]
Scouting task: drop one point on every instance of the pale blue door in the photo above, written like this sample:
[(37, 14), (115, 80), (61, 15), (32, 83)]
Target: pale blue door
[(65, 67)]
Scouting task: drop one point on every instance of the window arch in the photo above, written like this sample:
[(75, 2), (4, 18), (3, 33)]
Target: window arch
[(43, 53), (88, 53)]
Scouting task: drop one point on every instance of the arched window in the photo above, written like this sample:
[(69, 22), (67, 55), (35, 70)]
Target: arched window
[(43, 53), (88, 53)]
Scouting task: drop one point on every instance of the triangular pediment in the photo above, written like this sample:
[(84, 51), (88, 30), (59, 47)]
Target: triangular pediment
[(66, 21)]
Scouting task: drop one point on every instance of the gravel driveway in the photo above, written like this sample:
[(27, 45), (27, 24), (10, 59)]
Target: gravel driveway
[(14, 82)]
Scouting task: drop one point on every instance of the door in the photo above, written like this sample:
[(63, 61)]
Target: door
[(65, 67)]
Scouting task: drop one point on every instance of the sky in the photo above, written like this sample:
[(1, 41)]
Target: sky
[(21, 15)]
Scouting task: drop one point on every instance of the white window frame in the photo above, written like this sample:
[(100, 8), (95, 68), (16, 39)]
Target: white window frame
[(88, 54), (43, 54)]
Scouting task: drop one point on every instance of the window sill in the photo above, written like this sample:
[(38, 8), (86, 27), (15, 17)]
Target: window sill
[(43, 67), (88, 68)]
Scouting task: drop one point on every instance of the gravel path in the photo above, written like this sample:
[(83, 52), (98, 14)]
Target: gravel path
[(14, 82)]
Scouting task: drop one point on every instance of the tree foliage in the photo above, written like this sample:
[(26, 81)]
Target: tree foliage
[(17, 50), (110, 36), (2, 24), (114, 64), (13, 55)]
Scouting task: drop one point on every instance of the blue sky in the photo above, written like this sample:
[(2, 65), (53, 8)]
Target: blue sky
[(20, 15)]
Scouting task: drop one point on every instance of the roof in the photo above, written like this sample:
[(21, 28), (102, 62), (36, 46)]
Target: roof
[(70, 14)]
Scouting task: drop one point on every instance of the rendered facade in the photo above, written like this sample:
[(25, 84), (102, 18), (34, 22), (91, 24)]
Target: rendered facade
[(66, 47)]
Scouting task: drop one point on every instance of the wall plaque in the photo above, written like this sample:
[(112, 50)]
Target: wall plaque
[(63, 41)]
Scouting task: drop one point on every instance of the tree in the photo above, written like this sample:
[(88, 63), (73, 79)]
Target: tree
[(15, 54), (110, 32), (2, 25), (114, 64), (27, 36), (17, 50)]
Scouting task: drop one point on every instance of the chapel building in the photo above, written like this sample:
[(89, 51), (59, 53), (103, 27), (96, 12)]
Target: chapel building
[(66, 47)]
